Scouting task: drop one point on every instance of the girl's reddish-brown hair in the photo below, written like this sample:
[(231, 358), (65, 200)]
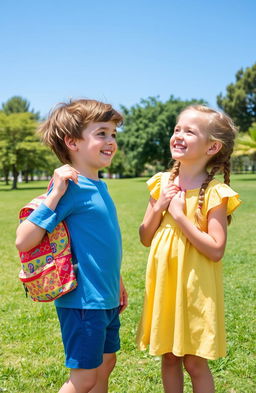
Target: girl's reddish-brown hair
[(220, 128)]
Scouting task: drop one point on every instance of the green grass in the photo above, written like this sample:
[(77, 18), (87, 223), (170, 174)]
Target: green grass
[(31, 354)]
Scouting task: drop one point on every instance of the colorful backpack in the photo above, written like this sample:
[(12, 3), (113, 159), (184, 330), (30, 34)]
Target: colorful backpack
[(47, 269)]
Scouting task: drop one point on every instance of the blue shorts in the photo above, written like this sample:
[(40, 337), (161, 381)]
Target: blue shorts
[(88, 334)]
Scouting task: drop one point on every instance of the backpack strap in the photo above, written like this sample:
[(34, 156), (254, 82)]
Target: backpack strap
[(32, 205), (50, 184), (26, 210)]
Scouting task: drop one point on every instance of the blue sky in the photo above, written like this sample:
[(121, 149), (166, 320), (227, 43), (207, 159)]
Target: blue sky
[(122, 51)]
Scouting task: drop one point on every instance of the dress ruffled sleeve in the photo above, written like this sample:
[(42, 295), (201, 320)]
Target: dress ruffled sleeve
[(218, 193), (154, 185)]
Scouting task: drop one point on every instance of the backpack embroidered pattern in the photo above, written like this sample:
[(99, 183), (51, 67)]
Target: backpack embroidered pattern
[(47, 271)]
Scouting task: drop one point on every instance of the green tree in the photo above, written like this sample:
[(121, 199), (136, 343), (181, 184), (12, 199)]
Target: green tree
[(4, 148), (18, 104), (17, 130), (36, 158), (146, 133), (240, 99)]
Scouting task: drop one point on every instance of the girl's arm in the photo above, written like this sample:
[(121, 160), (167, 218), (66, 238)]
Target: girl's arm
[(153, 215), (150, 223), (28, 234), (211, 244)]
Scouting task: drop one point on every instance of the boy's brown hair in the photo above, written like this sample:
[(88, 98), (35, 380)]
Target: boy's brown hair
[(70, 119)]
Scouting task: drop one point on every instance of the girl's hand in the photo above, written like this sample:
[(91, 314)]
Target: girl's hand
[(168, 192), (61, 176), (154, 213), (177, 205)]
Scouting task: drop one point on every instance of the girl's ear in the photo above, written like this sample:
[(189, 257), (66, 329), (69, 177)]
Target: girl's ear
[(70, 143), (214, 148)]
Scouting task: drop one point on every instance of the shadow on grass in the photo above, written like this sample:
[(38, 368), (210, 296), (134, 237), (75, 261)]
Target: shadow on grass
[(137, 179), (247, 179), (142, 179), (23, 189)]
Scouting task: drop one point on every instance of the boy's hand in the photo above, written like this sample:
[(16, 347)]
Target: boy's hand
[(168, 192), (123, 297), (61, 176), (177, 205)]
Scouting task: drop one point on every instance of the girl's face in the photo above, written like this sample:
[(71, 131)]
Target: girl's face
[(190, 141)]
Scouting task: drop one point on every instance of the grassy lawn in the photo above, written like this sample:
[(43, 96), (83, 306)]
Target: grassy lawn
[(31, 354)]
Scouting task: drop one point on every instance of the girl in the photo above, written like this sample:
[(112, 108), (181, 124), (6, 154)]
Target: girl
[(186, 223)]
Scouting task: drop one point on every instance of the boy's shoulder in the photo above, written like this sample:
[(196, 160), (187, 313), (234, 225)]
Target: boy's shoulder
[(85, 186), (85, 183)]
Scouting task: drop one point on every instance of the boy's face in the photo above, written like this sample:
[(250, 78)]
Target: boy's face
[(98, 145)]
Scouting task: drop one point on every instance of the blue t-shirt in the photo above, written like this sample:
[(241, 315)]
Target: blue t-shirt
[(96, 244)]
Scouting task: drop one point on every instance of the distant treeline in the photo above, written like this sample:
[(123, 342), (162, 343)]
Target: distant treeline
[(143, 140)]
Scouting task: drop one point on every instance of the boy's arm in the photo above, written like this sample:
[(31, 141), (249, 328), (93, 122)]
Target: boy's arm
[(30, 234), (123, 296)]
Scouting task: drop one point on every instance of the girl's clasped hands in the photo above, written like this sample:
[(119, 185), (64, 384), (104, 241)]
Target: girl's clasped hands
[(172, 198)]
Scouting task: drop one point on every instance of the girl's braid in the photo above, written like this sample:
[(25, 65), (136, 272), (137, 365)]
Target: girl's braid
[(198, 213), (174, 171), (226, 171)]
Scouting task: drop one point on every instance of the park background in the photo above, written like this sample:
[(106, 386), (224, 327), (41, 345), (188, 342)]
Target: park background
[(149, 59)]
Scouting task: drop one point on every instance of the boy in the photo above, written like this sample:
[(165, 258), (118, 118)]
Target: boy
[(82, 134)]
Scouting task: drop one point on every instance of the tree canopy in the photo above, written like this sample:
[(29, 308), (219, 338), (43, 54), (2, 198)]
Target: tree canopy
[(20, 148), (14, 131), (17, 104), (240, 99)]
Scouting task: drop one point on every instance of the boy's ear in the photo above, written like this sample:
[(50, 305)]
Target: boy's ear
[(214, 148), (70, 143)]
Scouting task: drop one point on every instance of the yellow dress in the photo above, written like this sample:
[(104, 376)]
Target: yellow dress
[(183, 308)]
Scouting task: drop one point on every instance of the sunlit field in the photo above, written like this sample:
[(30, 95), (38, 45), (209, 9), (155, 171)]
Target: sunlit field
[(31, 354)]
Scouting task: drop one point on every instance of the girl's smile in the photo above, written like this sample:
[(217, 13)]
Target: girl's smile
[(178, 146)]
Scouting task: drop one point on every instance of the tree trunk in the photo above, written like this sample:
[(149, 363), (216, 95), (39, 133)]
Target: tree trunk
[(6, 176), (25, 176), (15, 174)]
